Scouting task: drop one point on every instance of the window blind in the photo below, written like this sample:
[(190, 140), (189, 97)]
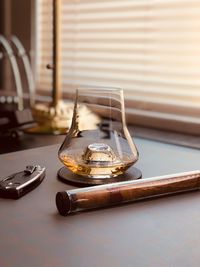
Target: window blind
[(150, 48)]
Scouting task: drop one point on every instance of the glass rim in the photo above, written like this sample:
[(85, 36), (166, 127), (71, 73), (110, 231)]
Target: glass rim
[(104, 88)]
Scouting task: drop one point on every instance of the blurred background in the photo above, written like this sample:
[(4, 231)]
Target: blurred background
[(15, 19), (148, 48)]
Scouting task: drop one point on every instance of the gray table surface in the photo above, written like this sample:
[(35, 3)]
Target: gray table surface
[(160, 232)]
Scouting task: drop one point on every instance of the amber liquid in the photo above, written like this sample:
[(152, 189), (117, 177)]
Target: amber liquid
[(78, 165)]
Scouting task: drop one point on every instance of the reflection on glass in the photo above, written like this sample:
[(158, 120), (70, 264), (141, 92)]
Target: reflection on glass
[(98, 144)]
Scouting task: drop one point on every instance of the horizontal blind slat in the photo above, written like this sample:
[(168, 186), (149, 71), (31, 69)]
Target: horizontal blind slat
[(150, 48)]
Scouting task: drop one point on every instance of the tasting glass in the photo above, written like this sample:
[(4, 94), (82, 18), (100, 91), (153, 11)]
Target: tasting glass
[(98, 143)]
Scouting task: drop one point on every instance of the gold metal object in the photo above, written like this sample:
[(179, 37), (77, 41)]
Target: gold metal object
[(57, 119), (54, 118)]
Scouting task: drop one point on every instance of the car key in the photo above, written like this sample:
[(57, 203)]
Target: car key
[(18, 184)]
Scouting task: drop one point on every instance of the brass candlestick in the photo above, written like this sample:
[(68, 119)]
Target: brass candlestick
[(54, 118)]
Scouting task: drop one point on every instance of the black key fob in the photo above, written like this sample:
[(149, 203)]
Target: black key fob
[(18, 184)]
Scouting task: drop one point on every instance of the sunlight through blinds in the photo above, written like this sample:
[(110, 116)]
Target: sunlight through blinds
[(150, 48)]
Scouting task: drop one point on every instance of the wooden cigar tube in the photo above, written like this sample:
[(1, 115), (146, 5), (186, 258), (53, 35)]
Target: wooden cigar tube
[(123, 192)]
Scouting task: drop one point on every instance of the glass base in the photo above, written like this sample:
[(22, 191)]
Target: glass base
[(68, 177)]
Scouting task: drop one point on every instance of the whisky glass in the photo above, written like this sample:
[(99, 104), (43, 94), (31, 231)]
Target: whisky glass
[(98, 143)]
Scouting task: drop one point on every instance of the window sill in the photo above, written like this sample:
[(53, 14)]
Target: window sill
[(169, 137)]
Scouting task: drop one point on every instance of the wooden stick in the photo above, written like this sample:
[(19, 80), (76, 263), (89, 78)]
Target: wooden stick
[(113, 194), (56, 90)]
